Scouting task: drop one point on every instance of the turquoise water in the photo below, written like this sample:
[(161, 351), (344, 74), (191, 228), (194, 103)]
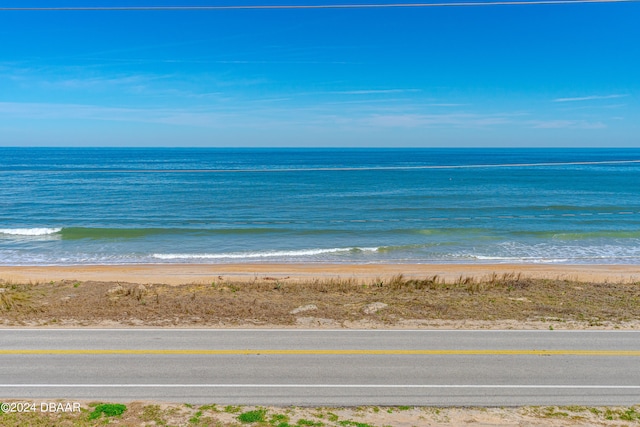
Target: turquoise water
[(123, 206)]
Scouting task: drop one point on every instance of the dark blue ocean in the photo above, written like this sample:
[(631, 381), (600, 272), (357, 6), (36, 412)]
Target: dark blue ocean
[(162, 205)]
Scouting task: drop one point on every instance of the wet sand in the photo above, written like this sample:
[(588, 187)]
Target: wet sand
[(198, 273)]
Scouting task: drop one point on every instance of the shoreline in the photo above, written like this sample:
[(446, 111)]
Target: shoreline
[(175, 274)]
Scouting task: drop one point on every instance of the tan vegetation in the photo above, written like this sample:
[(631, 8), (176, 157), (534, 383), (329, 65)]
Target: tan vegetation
[(266, 301), (154, 414)]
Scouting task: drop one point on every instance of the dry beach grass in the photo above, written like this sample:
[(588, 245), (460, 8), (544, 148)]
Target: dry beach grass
[(507, 300)]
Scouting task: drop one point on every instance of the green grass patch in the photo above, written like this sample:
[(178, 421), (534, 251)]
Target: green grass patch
[(153, 413), (108, 410), (303, 422), (630, 415), (255, 416), (196, 418), (279, 420), (332, 417), (230, 409), (552, 412), (349, 423)]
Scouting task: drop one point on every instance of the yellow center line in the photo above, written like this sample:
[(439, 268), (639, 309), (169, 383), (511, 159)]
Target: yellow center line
[(628, 353)]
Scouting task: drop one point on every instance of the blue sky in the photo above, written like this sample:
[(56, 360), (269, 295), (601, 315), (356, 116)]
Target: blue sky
[(534, 75)]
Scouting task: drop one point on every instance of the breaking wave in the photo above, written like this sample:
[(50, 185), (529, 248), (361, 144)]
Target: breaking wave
[(29, 231), (265, 254)]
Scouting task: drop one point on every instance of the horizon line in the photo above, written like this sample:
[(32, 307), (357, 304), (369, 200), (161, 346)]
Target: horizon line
[(319, 6)]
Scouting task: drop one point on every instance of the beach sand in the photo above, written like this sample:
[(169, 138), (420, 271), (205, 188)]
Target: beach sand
[(174, 274)]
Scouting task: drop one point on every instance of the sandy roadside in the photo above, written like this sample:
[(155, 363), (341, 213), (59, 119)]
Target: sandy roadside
[(197, 273)]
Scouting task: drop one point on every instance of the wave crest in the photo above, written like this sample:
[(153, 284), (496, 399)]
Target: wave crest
[(266, 254), (29, 231)]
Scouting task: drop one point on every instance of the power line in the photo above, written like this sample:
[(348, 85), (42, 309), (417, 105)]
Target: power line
[(318, 6)]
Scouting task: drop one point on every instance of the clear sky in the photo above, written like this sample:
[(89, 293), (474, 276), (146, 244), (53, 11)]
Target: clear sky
[(534, 75)]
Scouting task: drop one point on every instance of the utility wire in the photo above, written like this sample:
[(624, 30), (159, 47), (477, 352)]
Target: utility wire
[(318, 6)]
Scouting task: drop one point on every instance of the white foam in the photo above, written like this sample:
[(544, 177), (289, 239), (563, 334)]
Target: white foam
[(29, 231), (506, 259), (559, 254), (266, 254)]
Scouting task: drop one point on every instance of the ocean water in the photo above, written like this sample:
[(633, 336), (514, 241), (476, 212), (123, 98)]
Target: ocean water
[(159, 205)]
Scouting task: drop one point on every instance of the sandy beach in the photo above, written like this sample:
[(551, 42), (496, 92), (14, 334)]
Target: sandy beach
[(174, 274)]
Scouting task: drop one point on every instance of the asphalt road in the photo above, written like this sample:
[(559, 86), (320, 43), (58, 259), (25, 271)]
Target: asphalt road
[(323, 368)]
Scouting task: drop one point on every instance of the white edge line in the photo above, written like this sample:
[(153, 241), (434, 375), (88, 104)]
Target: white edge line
[(417, 386)]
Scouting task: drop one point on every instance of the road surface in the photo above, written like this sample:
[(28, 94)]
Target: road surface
[(323, 367)]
